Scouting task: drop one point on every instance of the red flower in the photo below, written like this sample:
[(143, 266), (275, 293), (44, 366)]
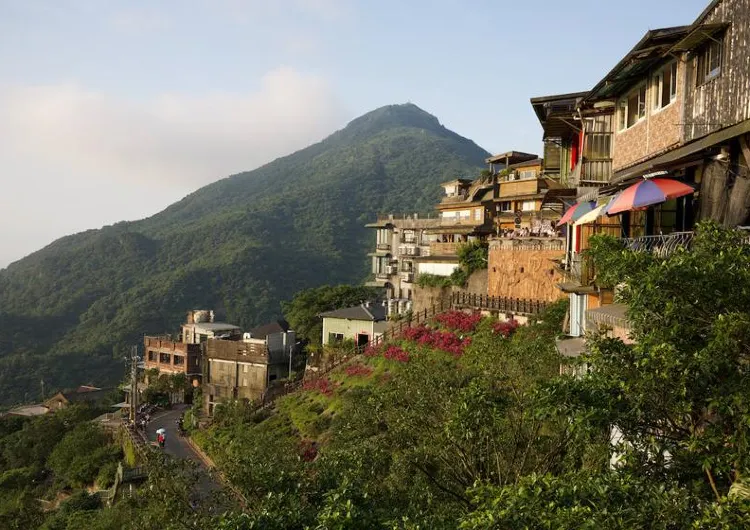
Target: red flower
[(459, 321), (506, 329), (323, 385), (394, 353), (358, 369)]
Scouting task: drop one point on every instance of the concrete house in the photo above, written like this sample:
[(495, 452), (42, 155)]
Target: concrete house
[(360, 323), (245, 368)]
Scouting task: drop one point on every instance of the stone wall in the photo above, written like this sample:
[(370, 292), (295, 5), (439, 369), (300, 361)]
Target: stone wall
[(523, 268)]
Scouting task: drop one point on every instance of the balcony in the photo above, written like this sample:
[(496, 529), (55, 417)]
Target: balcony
[(383, 246), (662, 245), (382, 275), (444, 249), (460, 221)]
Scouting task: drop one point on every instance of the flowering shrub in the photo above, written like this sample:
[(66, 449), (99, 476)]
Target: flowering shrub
[(358, 369), (323, 385), (459, 321), (394, 353), (437, 339), (372, 351), (506, 329)]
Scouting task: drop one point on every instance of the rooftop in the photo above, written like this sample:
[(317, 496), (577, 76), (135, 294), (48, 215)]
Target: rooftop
[(277, 326), (651, 49), (511, 157), (375, 312)]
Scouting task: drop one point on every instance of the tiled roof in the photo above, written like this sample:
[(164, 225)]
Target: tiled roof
[(375, 312)]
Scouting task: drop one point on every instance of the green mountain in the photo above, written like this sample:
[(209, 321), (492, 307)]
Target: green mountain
[(240, 245)]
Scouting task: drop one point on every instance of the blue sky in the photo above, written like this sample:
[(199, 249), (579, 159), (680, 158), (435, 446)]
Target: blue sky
[(113, 110)]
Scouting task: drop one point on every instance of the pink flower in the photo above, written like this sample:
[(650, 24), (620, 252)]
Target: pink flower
[(459, 321)]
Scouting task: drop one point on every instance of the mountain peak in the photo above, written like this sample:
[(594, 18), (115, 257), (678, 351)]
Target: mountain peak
[(390, 117)]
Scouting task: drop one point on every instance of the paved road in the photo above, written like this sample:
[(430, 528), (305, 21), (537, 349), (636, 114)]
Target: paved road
[(175, 444), (178, 447)]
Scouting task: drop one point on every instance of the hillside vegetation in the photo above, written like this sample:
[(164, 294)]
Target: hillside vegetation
[(240, 246), (467, 423)]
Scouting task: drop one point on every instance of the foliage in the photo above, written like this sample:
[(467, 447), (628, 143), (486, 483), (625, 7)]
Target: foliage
[(78, 457), (303, 311), (240, 246), (472, 256), (426, 279)]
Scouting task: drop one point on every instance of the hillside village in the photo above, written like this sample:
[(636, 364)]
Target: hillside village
[(632, 173), (659, 143)]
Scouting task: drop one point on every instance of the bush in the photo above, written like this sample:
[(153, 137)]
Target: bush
[(106, 476)]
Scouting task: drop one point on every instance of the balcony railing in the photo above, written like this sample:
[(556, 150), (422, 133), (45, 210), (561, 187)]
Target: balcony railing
[(383, 246), (409, 251), (382, 275), (407, 277), (662, 245)]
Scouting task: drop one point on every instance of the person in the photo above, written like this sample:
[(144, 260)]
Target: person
[(160, 439)]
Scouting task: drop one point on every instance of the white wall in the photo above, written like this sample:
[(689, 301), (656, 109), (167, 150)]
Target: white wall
[(436, 267)]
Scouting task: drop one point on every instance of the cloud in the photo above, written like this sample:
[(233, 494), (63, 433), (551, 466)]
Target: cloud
[(173, 138)]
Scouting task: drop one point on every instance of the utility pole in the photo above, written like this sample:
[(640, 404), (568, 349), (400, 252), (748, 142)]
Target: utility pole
[(42, 383), (133, 382)]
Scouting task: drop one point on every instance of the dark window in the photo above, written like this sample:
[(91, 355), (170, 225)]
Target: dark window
[(665, 86), (179, 360), (709, 61), (335, 338), (151, 355), (165, 358)]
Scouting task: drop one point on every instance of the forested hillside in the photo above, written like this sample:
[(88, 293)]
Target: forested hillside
[(240, 246)]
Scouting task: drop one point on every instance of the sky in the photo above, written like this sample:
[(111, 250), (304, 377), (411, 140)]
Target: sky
[(111, 111)]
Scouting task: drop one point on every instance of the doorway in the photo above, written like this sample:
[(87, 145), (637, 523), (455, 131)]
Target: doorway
[(362, 340)]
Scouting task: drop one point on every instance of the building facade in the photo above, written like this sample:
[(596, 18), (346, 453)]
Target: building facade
[(360, 323), (400, 241)]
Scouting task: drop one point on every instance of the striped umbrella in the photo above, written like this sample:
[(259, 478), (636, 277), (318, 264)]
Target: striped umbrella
[(596, 213), (576, 211), (647, 192)]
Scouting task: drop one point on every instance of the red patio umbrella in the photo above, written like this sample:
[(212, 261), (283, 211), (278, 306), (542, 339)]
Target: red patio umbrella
[(643, 194)]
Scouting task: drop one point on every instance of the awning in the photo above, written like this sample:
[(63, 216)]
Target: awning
[(697, 37)]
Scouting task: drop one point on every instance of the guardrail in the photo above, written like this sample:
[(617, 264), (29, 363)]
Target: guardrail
[(661, 245), (519, 306)]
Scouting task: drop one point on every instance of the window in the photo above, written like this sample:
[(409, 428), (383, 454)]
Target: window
[(165, 358), (632, 108), (477, 214), (179, 360), (505, 206), (151, 355), (527, 174), (335, 338), (528, 206), (709, 59), (665, 87)]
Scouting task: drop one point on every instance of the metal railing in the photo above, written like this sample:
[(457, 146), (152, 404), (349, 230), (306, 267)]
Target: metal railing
[(661, 245), (383, 246)]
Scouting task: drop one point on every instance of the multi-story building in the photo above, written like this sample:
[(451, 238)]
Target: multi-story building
[(521, 209), (170, 357), (466, 213), (400, 240), (243, 369), (679, 108)]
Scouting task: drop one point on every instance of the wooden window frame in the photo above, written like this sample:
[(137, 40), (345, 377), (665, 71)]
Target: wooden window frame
[(623, 107)]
